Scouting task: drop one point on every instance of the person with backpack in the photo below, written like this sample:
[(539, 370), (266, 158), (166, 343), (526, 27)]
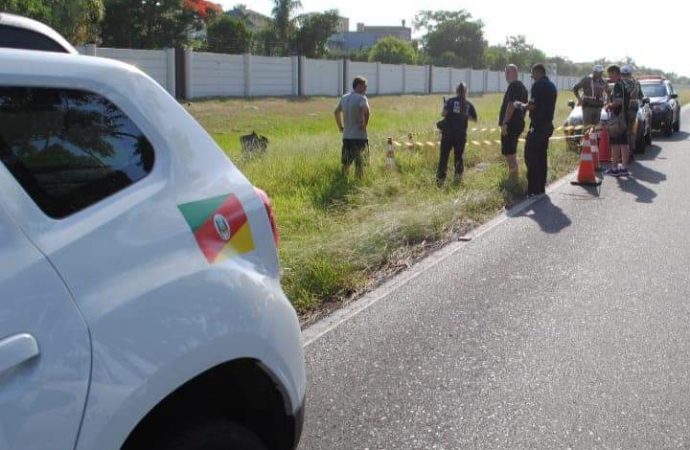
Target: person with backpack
[(457, 111)]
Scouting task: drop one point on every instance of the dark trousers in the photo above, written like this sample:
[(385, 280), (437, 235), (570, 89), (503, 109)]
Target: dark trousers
[(536, 144), (457, 143)]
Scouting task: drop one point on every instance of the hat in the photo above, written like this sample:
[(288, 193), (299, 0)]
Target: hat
[(626, 70), (598, 69)]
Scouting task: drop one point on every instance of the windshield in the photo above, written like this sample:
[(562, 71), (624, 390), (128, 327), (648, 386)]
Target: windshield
[(654, 90)]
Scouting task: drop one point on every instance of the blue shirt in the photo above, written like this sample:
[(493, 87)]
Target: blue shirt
[(543, 97)]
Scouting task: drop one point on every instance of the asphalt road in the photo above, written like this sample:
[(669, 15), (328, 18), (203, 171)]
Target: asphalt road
[(564, 325)]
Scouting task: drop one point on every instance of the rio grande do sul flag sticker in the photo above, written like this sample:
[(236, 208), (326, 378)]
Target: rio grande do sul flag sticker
[(220, 226)]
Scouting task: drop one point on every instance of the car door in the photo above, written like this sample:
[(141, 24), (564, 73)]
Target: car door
[(44, 346)]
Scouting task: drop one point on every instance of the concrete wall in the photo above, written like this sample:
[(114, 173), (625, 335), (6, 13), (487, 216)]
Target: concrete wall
[(158, 64), (321, 77), (212, 74)]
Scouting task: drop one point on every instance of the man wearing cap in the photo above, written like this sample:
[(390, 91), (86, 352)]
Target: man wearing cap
[(593, 88)]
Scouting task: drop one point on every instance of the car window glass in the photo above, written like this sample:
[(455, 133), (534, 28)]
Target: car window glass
[(654, 90), (69, 148), (13, 37)]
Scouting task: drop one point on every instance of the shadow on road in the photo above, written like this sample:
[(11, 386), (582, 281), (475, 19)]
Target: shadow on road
[(675, 137), (644, 173), (650, 154), (632, 186), (551, 218)]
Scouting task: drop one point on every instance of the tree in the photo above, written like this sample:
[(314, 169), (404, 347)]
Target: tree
[(283, 24), (455, 32), (496, 57), (393, 50), (35, 9), (313, 33), (228, 35), (76, 20), (203, 9), (149, 23)]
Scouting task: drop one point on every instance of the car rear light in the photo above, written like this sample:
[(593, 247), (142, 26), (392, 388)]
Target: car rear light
[(271, 215)]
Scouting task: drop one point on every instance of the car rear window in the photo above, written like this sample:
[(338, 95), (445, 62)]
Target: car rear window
[(69, 148), (13, 37)]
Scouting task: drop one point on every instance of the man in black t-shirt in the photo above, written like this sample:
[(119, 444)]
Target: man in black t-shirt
[(456, 111), (512, 120)]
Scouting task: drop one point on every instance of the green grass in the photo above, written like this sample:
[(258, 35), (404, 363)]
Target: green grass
[(341, 234)]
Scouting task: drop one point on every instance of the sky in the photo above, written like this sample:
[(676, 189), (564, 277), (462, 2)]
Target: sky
[(581, 30)]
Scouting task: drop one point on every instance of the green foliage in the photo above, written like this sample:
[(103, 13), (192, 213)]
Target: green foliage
[(454, 32), (35, 9), (314, 30), (148, 24), (283, 22), (76, 20), (393, 50), (227, 35)]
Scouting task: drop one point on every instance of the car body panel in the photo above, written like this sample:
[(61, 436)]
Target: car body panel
[(159, 311), (42, 397)]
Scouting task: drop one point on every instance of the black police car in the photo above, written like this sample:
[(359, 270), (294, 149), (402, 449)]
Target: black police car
[(664, 103)]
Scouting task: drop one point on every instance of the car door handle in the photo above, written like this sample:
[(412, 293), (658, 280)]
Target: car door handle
[(16, 349)]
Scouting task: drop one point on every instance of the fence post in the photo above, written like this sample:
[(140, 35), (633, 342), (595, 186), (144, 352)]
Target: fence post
[(90, 49), (298, 79), (188, 82), (430, 79), (404, 78), (346, 75), (341, 77), (450, 79), (247, 74), (378, 77), (170, 70)]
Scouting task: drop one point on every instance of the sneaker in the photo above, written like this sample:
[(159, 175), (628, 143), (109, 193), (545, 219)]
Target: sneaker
[(612, 172), (623, 172)]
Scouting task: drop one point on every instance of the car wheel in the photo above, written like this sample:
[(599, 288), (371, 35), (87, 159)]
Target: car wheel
[(676, 126), (214, 434), (648, 138)]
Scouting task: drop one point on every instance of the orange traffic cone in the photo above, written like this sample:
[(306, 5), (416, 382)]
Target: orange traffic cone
[(585, 173), (604, 146), (593, 137)]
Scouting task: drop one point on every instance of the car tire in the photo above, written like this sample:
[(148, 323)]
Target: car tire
[(648, 138), (676, 126), (214, 434)]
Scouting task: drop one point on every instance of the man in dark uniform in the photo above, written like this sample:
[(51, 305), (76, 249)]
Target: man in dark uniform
[(541, 108), (456, 111), (511, 120)]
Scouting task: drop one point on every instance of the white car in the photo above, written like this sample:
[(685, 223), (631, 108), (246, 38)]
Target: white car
[(140, 299)]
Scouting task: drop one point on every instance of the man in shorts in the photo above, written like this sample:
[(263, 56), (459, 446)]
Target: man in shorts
[(352, 118), (512, 120), (619, 106), (593, 88), (636, 96)]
